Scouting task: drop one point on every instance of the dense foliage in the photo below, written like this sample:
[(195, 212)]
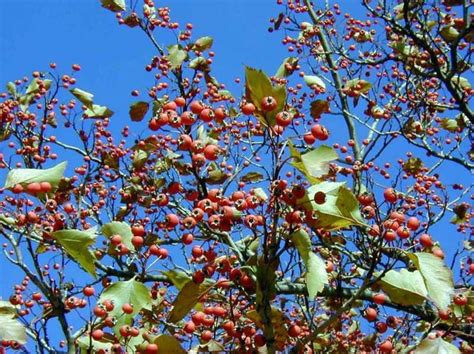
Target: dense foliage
[(300, 215)]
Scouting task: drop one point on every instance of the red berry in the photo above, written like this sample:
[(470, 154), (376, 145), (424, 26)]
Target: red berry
[(268, 103), (151, 349), (97, 334), (294, 331), (390, 195), (127, 308), (248, 109), (88, 291)]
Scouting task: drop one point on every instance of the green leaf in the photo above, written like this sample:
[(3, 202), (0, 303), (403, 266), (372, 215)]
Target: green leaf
[(119, 228), (199, 63), (363, 86), (176, 56), (316, 276), (437, 276), (126, 292), (312, 80), (7, 309), (76, 244), (33, 88), (97, 111), (412, 165), (169, 344), (12, 329), (278, 320), (187, 298), (6, 220), (282, 71), (138, 111), (319, 107), (177, 277), (252, 177), (31, 91), (11, 88), (314, 163), (86, 98), (204, 136), (215, 174), (203, 43), (460, 214), (114, 5), (209, 347), (404, 287), (451, 125), (86, 343), (436, 346), (461, 82), (340, 209), (26, 176), (139, 159), (259, 192), (449, 33), (257, 86)]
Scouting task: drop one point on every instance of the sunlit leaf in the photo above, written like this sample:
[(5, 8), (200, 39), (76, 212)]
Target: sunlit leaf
[(412, 165), (86, 343), (436, 346), (437, 276), (25, 176), (316, 276), (140, 159), (449, 125), (252, 177), (460, 213), (314, 163), (138, 111), (169, 344), (215, 175), (209, 347), (319, 107), (282, 71), (461, 82), (96, 111), (86, 98), (176, 56), (187, 298), (12, 329), (449, 33), (114, 5), (278, 323), (76, 244), (312, 80), (11, 88), (362, 86), (340, 209), (119, 228), (404, 287), (7, 309), (130, 292), (203, 43), (6, 220), (259, 192), (257, 86), (177, 277)]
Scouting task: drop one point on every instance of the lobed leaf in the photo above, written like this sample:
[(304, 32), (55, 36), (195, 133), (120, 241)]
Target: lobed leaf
[(316, 275), (76, 244), (437, 277)]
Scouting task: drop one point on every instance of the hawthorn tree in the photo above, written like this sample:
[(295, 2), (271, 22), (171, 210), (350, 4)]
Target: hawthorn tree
[(236, 221)]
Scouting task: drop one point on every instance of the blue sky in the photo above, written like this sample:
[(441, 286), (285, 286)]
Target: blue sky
[(34, 33)]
